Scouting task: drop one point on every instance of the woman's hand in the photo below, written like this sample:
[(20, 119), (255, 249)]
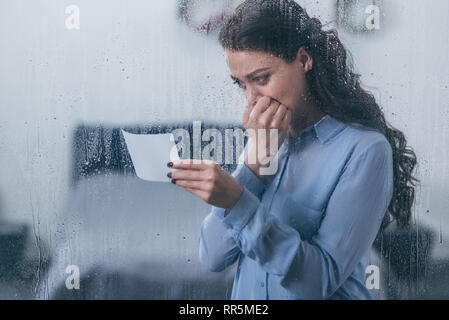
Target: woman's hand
[(266, 114), (207, 180)]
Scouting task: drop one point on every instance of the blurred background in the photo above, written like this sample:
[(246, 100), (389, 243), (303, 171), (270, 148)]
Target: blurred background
[(72, 73)]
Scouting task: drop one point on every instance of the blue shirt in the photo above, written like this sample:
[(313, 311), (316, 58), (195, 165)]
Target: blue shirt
[(305, 232)]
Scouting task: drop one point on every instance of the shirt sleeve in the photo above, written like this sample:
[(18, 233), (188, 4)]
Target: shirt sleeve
[(217, 248), (316, 269)]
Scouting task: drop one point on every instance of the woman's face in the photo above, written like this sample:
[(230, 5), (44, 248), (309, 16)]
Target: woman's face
[(261, 74)]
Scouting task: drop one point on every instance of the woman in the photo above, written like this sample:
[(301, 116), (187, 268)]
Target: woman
[(304, 232)]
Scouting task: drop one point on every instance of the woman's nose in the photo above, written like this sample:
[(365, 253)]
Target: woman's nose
[(252, 96)]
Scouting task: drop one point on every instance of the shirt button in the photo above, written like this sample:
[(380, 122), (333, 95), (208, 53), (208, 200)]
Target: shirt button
[(262, 284)]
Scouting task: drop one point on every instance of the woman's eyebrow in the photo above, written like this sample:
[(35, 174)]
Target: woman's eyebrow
[(250, 75)]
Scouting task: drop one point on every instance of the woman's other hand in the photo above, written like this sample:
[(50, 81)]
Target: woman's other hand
[(266, 114), (207, 180)]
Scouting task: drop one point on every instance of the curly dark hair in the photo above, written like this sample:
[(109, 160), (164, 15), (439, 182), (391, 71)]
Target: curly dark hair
[(281, 27)]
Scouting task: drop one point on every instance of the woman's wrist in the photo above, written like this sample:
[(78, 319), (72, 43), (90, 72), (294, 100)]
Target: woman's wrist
[(255, 169), (254, 166)]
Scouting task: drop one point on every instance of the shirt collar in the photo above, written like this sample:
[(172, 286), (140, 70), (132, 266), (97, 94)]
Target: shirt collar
[(325, 129)]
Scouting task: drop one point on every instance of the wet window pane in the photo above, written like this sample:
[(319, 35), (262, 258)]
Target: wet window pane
[(76, 221)]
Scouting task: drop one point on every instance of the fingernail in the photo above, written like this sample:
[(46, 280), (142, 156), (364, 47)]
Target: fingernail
[(170, 164), (173, 181), (169, 175)]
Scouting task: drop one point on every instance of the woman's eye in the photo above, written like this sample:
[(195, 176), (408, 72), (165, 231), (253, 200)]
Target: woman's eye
[(261, 79), (237, 82)]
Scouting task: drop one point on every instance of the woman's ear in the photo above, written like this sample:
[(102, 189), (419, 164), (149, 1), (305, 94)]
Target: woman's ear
[(305, 59)]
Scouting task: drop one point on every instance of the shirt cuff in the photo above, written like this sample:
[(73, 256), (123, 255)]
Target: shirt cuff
[(242, 212), (219, 212), (248, 179)]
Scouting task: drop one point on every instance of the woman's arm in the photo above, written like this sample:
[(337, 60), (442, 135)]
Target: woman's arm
[(316, 269), (217, 248)]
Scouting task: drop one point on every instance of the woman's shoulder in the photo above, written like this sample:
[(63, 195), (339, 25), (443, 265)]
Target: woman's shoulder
[(362, 139), (356, 139)]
